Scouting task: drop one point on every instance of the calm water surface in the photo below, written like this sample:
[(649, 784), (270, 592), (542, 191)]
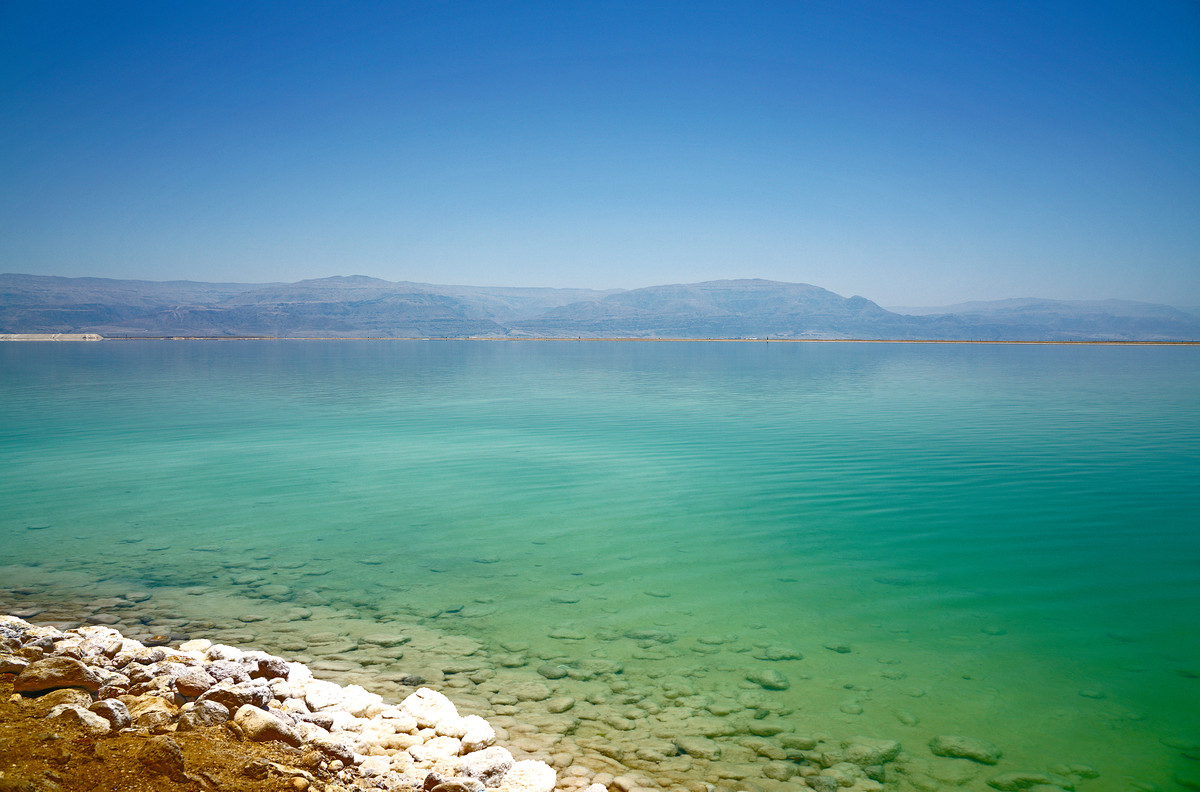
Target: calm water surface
[(997, 541)]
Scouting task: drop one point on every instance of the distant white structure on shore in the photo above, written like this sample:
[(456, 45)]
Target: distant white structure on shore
[(51, 337)]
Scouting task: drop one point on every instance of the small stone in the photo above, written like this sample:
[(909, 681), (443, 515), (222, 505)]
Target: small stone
[(457, 785), (114, 711), (257, 768), (193, 682), (959, 747), (163, 755), (88, 720), (334, 748), (273, 668), (202, 715)]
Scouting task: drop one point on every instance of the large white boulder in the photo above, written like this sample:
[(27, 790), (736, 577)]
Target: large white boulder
[(431, 708), (530, 775), (477, 735)]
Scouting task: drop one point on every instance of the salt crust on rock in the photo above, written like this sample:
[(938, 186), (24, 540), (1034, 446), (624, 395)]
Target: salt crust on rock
[(162, 688)]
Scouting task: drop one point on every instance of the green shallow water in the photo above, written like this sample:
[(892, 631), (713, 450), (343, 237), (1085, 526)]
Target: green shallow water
[(1004, 537)]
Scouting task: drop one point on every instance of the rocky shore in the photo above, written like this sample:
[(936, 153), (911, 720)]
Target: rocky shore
[(219, 717), (96, 683)]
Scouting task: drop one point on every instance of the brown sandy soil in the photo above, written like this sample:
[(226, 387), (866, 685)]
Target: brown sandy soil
[(38, 755)]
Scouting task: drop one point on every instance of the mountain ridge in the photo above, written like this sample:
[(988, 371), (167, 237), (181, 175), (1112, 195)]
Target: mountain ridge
[(358, 305)]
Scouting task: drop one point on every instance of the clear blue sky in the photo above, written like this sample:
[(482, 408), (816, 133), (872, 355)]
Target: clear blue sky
[(916, 153)]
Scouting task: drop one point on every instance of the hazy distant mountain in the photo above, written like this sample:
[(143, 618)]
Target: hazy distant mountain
[(725, 309), (362, 306), (1033, 318), (336, 306)]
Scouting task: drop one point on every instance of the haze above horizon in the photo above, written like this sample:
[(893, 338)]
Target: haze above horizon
[(915, 156)]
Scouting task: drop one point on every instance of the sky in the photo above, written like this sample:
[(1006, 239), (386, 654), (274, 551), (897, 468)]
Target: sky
[(915, 153)]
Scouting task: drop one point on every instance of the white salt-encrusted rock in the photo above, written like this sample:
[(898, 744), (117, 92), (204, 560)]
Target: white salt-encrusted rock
[(223, 652), (309, 731), (345, 722), (298, 673), (431, 708), (478, 734), (530, 775), (322, 695), (90, 721), (259, 725), (360, 703), (375, 765), (438, 749), (200, 645), (488, 765), (401, 722), (293, 705)]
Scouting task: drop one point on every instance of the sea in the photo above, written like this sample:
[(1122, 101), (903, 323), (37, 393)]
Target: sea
[(760, 552)]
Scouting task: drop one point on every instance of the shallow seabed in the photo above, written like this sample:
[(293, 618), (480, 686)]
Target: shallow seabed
[(990, 541)]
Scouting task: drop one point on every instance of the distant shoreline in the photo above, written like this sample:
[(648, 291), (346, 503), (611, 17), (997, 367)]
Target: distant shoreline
[(60, 337)]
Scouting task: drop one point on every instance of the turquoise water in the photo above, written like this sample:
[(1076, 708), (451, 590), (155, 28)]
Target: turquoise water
[(1005, 538)]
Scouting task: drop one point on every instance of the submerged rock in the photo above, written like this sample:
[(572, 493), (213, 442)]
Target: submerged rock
[(654, 636), (1019, 781), (957, 747), (769, 679), (776, 653), (701, 747)]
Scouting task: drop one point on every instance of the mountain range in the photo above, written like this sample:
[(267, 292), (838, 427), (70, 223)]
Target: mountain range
[(355, 306)]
